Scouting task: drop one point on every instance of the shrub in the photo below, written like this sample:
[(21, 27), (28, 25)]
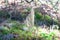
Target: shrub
[(38, 16), (4, 30), (4, 14), (50, 36)]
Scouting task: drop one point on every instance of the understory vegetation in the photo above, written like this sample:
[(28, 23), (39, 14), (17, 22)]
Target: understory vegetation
[(18, 31), (14, 30), (29, 20)]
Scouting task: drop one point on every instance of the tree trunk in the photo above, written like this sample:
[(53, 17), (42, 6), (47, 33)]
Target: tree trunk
[(30, 19)]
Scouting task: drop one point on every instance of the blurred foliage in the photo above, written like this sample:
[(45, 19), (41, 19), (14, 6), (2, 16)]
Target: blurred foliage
[(49, 21), (47, 17), (38, 15), (28, 9), (4, 30), (27, 33), (4, 14), (49, 36), (30, 34)]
